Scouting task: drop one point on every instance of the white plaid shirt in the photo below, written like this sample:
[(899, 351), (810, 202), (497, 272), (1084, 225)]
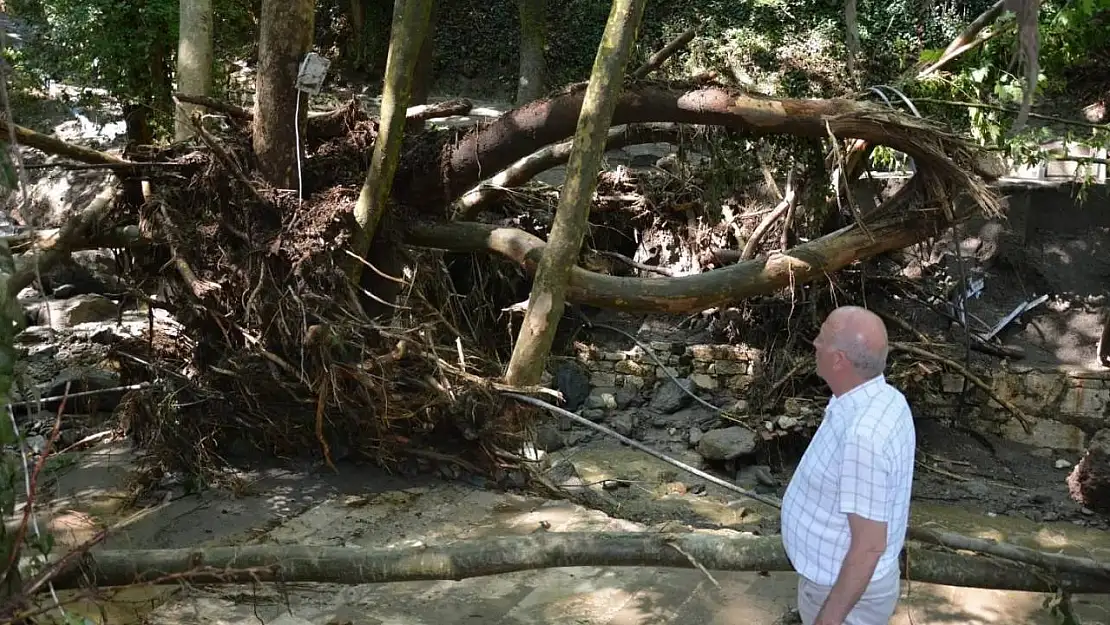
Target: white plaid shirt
[(859, 461)]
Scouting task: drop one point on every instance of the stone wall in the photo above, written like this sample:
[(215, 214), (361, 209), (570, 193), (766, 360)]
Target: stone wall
[(1067, 404)]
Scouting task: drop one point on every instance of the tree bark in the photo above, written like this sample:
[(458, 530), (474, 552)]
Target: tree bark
[(495, 556), (531, 127), (547, 299), (538, 162), (280, 109), (851, 37), (194, 60), (533, 41), (410, 27), (423, 76), (718, 287)]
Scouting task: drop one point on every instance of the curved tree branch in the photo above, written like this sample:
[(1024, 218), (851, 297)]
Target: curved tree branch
[(890, 230), (538, 162), (531, 127)]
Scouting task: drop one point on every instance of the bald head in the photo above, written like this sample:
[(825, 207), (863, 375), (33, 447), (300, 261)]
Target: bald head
[(861, 335)]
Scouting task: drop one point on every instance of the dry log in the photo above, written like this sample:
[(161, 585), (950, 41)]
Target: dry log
[(526, 129), (1051, 561), (447, 108), (691, 293), (538, 162), (51, 145), (237, 113), (79, 228), (494, 556)]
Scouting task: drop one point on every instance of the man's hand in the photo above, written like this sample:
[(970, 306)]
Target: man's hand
[(867, 546)]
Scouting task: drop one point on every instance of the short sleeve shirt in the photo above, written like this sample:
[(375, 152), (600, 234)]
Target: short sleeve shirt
[(860, 461)]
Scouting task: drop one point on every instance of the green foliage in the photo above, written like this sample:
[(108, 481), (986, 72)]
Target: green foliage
[(127, 49), (103, 44)]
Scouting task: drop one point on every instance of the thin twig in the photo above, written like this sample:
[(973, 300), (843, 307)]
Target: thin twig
[(1003, 109), (656, 60)]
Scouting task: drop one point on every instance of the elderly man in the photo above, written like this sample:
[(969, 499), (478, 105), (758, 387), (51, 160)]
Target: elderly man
[(845, 512)]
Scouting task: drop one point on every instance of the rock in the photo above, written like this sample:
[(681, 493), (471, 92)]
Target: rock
[(757, 478), (1089, 481), (727, 443), (1063, 464), (573, 381), (695, 436), (593, 414), (704, 381), (549, 438), (65, 313), (627, 397), (671, 398), (604, 401), (623, 423)]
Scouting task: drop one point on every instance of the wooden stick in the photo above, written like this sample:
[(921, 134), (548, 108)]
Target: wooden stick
[(660, 57)]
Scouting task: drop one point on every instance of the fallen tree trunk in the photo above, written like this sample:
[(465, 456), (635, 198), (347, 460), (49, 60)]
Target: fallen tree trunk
[(494, 556), (538, 162), (77, 228), (51, 145), (717, 287), (533, 126)]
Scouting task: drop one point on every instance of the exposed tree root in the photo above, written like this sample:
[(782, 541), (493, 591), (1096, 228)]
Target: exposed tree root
[(494, 556)]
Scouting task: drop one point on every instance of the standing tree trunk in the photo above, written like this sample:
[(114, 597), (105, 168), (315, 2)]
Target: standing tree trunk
[(851, 37), (422, 76), (194, 60), (410, 26), (357, 45), (286, 36), (547, 299), (533, 40)]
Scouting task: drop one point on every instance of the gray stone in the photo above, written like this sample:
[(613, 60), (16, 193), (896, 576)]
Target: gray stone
[(670, 397), (66, 313), (727, 443), (548, 437), (593, 414), (573, 381), (695, 435), (704, 381), (623, 423), (627, 397)]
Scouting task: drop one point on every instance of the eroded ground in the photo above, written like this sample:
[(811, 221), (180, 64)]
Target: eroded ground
[(361, 507)]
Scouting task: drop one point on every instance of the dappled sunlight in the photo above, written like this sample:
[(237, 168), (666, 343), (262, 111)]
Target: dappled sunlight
[(935, 604)]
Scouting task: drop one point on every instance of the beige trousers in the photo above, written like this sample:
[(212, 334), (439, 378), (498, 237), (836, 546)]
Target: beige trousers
[(875, 607)]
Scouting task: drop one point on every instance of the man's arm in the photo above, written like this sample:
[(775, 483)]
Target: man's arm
[(866, 547)]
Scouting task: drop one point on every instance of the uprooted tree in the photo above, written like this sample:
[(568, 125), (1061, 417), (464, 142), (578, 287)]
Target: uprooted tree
[(257, 278)]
